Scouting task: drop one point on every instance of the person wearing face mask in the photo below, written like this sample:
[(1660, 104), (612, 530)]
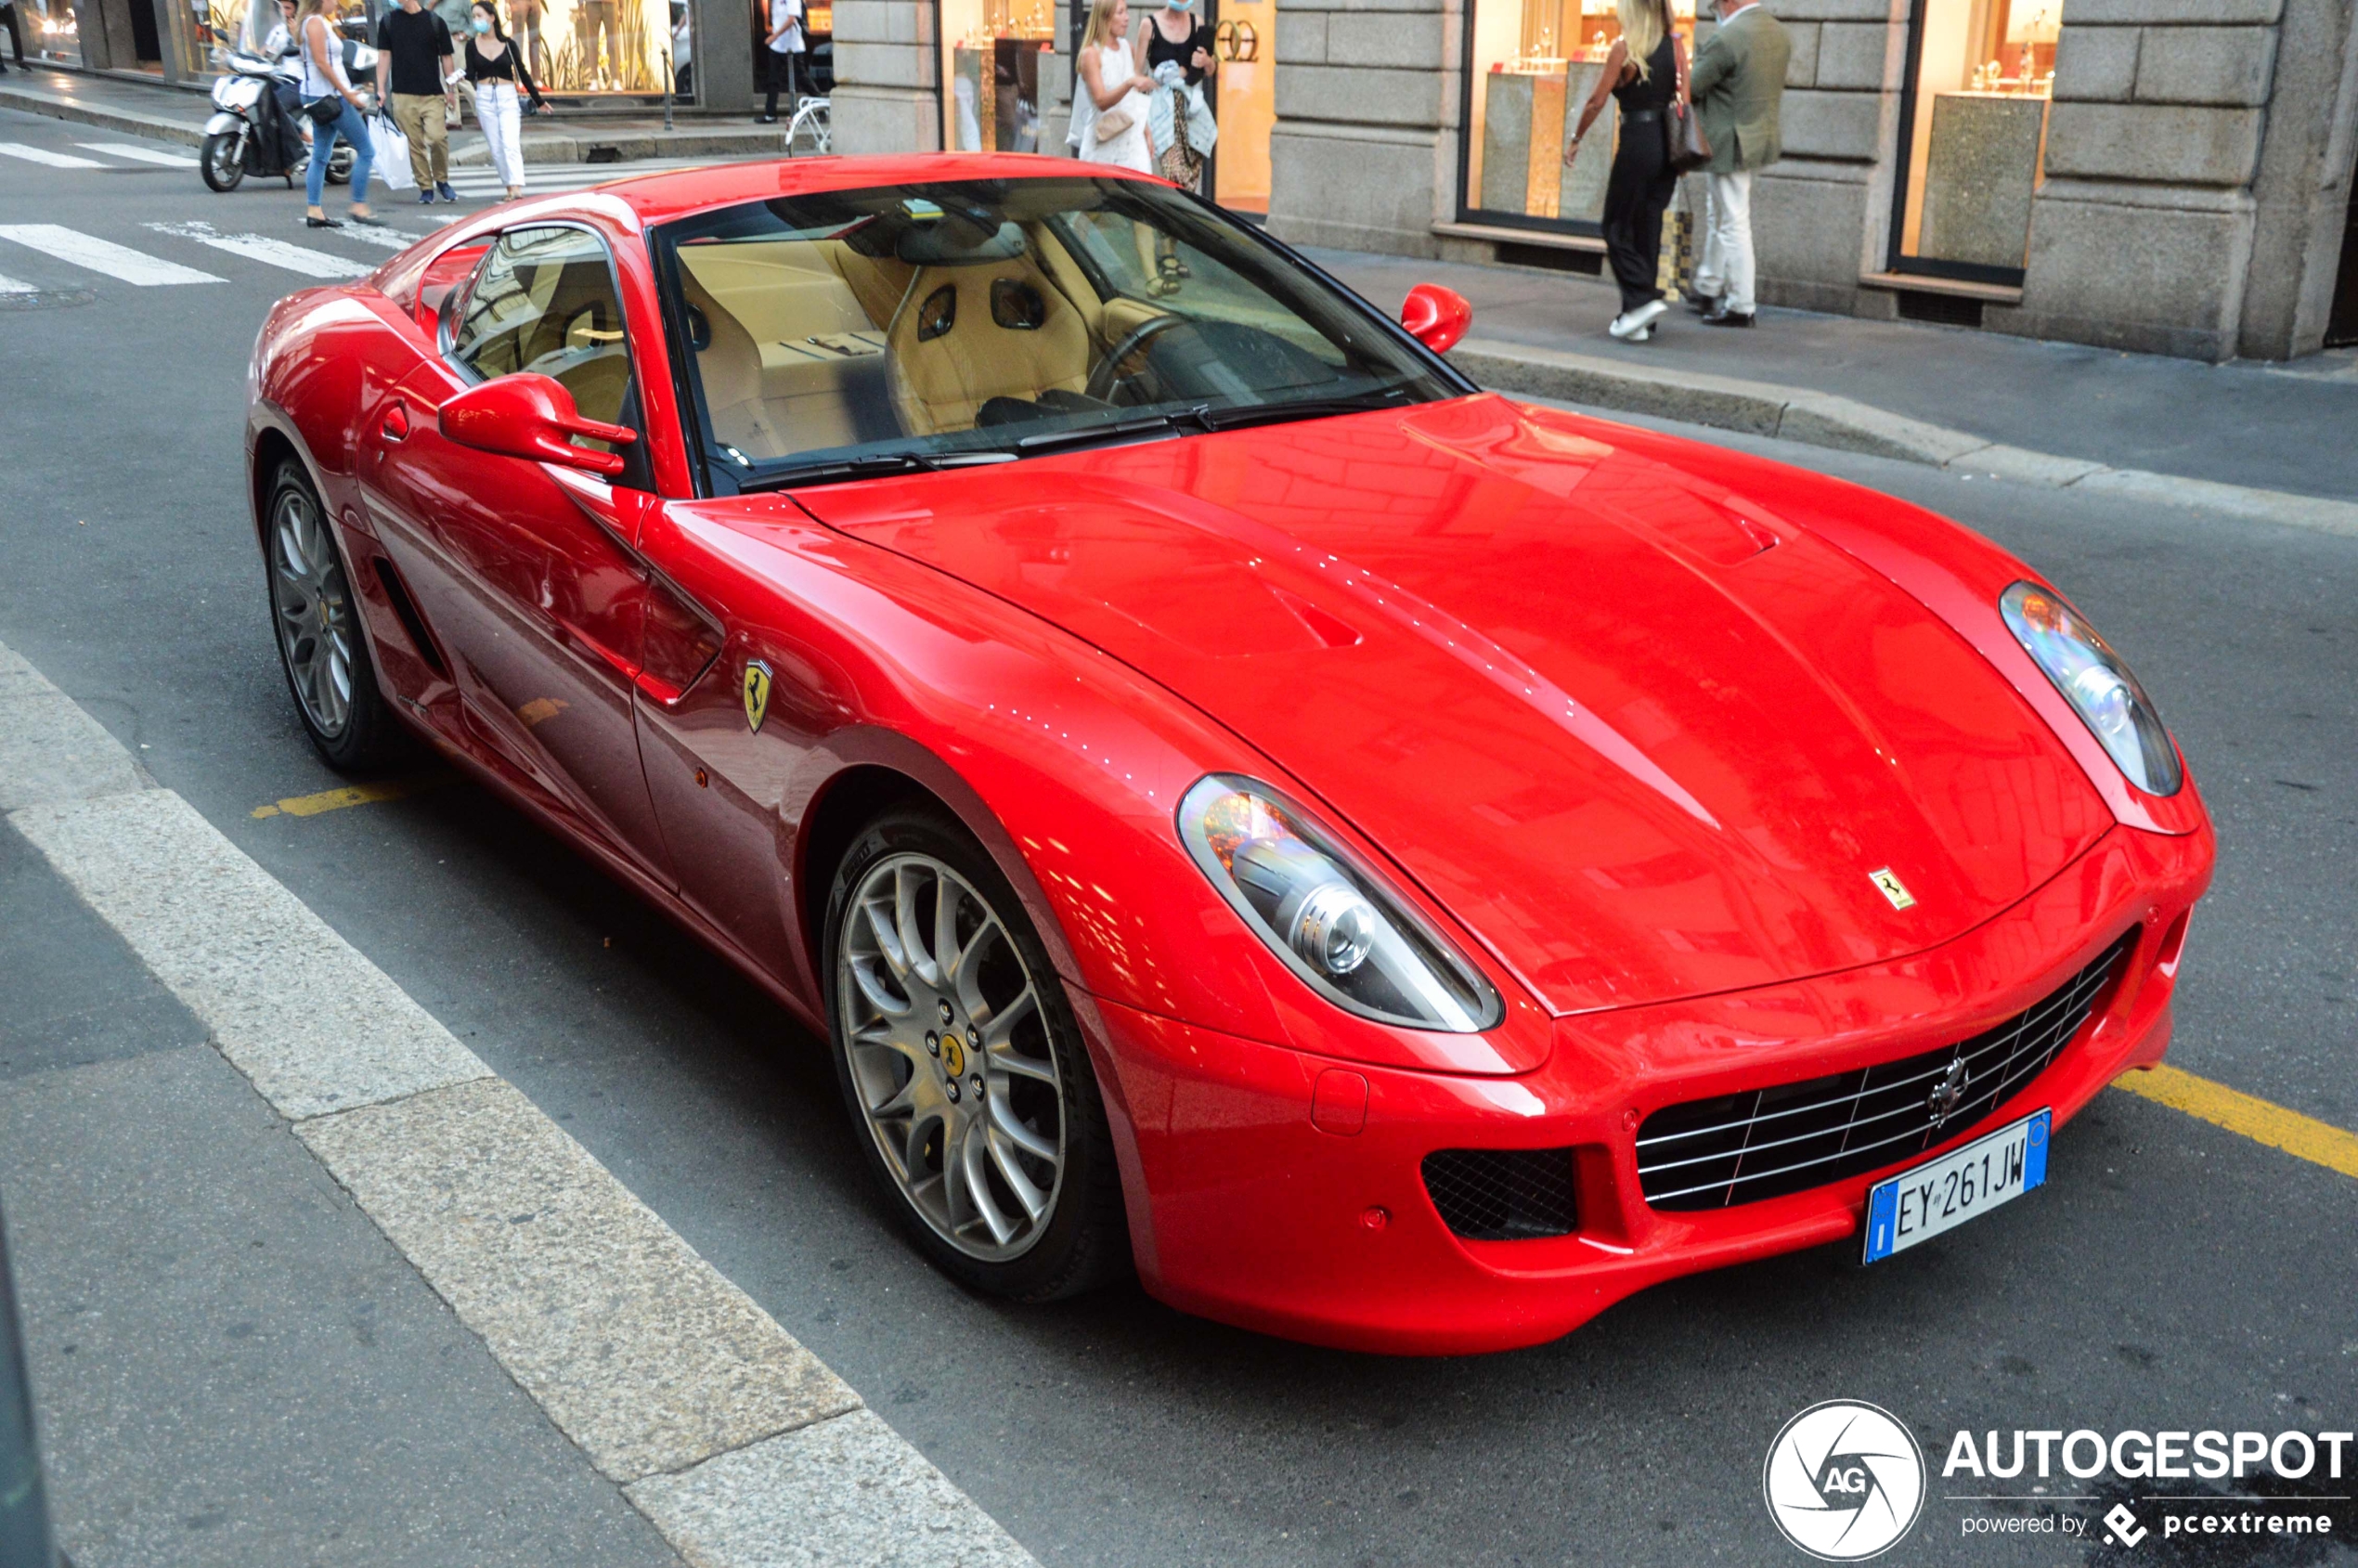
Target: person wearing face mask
[(1174, 36), (496, 69)]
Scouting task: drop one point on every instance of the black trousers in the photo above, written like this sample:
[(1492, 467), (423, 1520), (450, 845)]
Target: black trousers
[(1638, 193), (16, 39), (787, 71)]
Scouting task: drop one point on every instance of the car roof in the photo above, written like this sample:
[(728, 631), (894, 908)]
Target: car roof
[(659, 198)]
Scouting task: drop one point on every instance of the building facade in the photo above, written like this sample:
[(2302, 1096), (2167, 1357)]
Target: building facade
[(2164, 175)]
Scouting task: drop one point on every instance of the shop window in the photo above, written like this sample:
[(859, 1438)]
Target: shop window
[(1531, 65), (990, 55), (51, 31), (1977, 124)]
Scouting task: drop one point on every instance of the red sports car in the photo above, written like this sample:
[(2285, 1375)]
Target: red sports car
[(1397, 867)]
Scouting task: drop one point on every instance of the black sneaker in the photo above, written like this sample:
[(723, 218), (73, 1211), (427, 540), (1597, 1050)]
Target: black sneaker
[(442, 189), (1728, 318), (425, 199), (1702, 304)]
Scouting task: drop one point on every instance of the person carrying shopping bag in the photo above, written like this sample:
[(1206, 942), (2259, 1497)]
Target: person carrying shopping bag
[(1645, 71), (416, 46), (496, 71), (336, 110), (1115, 131)]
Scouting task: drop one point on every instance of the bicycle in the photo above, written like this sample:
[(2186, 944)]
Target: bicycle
[(812, 119)]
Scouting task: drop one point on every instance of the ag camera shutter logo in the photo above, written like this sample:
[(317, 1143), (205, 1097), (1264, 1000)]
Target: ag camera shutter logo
[(1845, 1481)]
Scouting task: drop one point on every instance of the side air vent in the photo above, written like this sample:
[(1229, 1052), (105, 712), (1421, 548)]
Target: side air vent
[(405, 609)]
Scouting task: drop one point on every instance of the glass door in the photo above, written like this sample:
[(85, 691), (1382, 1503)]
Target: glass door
[(1245, 34)]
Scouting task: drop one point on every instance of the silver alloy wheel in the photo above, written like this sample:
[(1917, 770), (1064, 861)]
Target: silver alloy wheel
[(314, 612), (950, 1057)]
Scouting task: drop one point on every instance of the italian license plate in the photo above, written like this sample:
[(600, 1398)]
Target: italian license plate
[(1961, 1185)]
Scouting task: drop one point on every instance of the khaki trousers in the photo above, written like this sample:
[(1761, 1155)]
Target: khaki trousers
[(420, 115)]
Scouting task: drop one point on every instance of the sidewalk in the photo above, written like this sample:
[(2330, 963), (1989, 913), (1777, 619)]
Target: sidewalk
[(2267, 427), (176, 114)]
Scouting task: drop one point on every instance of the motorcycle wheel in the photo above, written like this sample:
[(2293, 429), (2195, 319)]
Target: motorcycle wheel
[(339, 165), (222, 161)]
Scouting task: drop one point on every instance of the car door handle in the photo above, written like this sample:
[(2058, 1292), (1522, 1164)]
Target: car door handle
[(397, 425)]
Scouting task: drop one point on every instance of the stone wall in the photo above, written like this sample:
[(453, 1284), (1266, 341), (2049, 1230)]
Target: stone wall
[(1821, 217), (1365, 153), (888, 93)]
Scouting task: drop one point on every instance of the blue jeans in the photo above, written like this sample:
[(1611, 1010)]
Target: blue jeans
[(353, 126)]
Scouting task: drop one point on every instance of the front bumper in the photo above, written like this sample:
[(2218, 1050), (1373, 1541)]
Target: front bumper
[(1243, 1208)]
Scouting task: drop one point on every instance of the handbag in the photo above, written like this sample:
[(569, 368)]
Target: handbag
[(1689, 148), (1111, 122), (325, 110)]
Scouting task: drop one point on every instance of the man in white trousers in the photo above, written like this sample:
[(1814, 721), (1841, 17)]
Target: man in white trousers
[(1739, 85)]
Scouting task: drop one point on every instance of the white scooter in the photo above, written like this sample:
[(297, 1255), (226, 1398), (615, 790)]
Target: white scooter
[(259, 127)]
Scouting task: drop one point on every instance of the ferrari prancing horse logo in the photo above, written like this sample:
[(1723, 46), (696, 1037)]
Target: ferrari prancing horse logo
[(1887, 883), (756, 692)]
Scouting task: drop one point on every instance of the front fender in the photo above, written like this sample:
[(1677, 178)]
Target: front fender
[(223, 122)]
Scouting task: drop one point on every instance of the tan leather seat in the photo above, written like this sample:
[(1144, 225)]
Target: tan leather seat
[(730, 367), (941, 383)]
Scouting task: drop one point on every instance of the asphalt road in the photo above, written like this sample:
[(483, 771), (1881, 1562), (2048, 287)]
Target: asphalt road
[(2172, 1275)]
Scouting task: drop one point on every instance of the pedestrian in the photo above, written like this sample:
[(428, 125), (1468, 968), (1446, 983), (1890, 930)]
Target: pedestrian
[(1114, 129), (495, 70), (1174, 36), (324, 83), (530, 15), (683, 59), (16, 38), (784, 54), (1738, 86), (416, 46), (1644, 71)]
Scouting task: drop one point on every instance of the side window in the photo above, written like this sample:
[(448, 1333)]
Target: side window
[(545, 302)]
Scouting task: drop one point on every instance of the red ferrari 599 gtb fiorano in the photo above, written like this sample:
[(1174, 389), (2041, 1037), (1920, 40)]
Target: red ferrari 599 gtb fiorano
[(1398, 867)]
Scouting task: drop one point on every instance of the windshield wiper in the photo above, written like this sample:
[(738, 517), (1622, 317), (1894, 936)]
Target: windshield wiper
[(870, 466), (1306, 408), (1087, 435)]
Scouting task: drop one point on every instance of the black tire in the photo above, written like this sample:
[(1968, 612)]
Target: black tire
[(323, 650), (221, 162), (340, 164), (1085, 1241)]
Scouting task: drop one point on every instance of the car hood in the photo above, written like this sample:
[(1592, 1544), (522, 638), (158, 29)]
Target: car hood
[(1644, 738)]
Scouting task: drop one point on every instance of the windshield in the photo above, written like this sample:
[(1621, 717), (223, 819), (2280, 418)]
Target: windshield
[(906, 327)]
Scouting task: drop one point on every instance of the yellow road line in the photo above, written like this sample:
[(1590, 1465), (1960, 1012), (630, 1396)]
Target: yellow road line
[(2304, 1137), (354, 795)]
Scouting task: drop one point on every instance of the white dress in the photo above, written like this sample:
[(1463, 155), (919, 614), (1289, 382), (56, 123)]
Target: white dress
[(1130, 150)]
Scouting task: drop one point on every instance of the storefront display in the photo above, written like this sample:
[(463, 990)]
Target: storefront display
[(1531, 65), (50, 32), (1984, 73), (991, 51), (1244, 35)]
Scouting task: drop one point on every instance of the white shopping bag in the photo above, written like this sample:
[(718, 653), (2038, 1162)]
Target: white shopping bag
[(390, 150)]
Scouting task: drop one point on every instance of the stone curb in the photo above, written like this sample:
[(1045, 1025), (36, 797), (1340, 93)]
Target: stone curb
[(60, 105), (740, 1445), (1821, 418)]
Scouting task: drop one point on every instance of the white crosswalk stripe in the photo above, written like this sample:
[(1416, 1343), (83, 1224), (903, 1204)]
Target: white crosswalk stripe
[(142, 154), (389, 238), (262, 248), (544, 178), (11, 286), (103, 255), (43, 155)]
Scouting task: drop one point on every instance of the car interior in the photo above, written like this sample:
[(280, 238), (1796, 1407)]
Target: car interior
[(921, 322)]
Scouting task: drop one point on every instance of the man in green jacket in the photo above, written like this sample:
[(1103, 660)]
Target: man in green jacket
[(1738, 83)]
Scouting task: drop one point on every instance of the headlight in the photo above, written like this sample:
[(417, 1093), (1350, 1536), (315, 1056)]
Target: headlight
[(1329, 918), (2096, 683)]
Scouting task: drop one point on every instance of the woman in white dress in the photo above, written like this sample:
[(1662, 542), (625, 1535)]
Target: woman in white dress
[(1115, 92)]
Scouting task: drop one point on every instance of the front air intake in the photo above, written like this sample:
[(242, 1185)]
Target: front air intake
[(1503, 1194)]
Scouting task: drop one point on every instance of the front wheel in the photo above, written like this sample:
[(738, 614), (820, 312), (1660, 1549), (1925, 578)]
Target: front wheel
[(340, 164), (969, 1088), (222, 161)]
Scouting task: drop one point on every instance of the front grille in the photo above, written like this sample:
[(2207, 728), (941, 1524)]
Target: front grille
[(1503, 1194), (1765, 1142)]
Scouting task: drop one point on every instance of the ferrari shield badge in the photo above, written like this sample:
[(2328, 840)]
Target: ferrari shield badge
[(1887, 881), (757, 693)]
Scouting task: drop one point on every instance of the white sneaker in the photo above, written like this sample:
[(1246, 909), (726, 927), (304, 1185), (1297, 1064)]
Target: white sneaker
[(1633, 325)]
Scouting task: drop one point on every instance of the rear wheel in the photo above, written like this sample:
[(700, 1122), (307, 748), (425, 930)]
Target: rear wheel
[(222, 161), (321, 647), (340, 164), (963, 1067)]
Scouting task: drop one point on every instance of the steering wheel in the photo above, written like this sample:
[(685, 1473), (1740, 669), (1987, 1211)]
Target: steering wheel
[(1108, 371)]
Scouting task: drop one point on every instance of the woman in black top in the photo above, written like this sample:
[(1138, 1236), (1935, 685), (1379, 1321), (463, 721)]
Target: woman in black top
[(1645, 71), (496, 71), (1173, 35)]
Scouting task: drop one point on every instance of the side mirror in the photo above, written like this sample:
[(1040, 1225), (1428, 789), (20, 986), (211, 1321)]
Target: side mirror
[(1436, 317), (530, 416)]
